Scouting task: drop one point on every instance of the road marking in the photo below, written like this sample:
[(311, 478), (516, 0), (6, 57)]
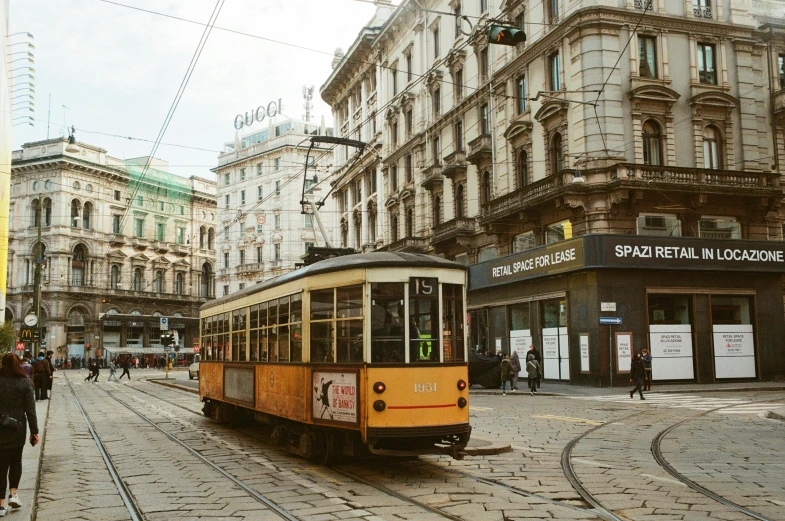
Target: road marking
[(689, 401), (667, 480), (567, 419), (473, 408), (528, 449), (593, 463)]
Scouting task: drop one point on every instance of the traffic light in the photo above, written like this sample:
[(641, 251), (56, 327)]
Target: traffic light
[(167, 339), (504, 35)]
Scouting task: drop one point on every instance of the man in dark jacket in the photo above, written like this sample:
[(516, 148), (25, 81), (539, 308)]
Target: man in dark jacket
[(41, 375), (126, 368), (637, 375)]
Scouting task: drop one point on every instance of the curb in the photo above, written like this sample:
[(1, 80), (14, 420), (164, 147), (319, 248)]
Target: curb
[(487, 450), (40, 461), (493, 392), (173, 386)]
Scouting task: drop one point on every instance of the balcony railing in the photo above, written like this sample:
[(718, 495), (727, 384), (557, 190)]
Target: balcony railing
[(160, 246), (702, 12), (458, 227), (409, 245), (480, 149), (254, 267), (517, 200), (433, 177), (699, 177), (454, 164), (140, 242)]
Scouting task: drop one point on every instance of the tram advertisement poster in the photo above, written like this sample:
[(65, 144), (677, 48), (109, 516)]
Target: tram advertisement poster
[(334, 396)]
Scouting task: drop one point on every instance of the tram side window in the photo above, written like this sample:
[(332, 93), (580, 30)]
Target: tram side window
[(423, 320), (253, 344), (283, 329), (322, 313), (263, 332), (272, 331), (235, 335), (453, 323), (387, 322), (295, 328), (350, 324)]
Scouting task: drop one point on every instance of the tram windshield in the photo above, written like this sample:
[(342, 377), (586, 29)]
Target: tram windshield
[(423, 319)]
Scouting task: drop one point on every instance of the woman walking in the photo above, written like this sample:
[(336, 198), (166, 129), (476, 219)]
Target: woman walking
[(637, 374), (17, 406), (647, 370), (532, 370), (506, 373)]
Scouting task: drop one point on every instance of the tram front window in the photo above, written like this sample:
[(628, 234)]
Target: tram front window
[(423, 320), (387, 322)]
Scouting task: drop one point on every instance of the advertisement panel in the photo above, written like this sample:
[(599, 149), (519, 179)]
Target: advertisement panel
[(623, 352), (520, 340), (734, 351), (584, 348), (335, 396), (671, 351)]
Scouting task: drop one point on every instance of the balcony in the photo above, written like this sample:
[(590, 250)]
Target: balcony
[(433, 177), (140, 243), (117, 240), (480, 149), (455, 165), (699, 179), (408, 245), (450, 230), (160, 246), (509, 204), (179, 249), (702, 12), (250, 269)]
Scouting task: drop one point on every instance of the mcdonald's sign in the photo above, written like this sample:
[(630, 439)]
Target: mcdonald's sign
[(29, 334)]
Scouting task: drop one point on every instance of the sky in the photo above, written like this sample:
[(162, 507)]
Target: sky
[(117, 69)]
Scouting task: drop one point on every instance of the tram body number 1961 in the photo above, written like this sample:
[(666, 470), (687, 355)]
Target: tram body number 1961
[(425, 388)]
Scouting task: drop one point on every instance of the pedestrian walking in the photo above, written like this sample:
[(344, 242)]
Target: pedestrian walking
[(515, 362), (50, 381), (113, 372), (646, 370), (96, 370), (506, 370), (17, 407), (532, 370), (126, 368), (25, 366), (637, 374), (538, 379), (89, 372), (40, 376)]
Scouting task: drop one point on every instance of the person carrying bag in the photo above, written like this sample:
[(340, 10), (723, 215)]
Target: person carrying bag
[(17, 407)]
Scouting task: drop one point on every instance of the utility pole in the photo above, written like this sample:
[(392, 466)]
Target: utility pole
[(39, 259)]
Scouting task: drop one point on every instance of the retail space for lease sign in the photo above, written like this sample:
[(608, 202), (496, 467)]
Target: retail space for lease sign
[(520, 340), (734, 351)]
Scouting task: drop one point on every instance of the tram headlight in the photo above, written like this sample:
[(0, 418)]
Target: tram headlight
[(462, 402), (379, 387), (379, 405), (461, 385)]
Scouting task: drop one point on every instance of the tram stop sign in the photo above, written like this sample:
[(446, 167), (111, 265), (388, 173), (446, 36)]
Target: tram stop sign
[(164, 324)]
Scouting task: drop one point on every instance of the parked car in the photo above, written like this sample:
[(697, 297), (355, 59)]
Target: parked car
[(193, 369)]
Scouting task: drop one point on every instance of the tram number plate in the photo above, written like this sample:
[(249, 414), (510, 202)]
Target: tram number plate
[(425, 388)]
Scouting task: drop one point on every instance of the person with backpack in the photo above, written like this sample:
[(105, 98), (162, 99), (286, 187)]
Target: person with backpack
[(532, 370), (506, 373), (515, 362), (41, 376)]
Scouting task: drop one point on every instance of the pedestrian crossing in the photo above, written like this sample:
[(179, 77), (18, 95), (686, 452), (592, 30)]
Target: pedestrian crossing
[(697, 403)]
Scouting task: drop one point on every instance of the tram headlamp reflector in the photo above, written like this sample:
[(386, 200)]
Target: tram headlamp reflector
[(379, 405), (461, 385), (379, 387), (462, 402)]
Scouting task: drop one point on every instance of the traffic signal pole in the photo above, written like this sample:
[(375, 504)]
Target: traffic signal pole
[(39, 260)]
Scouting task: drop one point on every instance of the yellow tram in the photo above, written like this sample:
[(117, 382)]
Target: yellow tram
[(350, 355)]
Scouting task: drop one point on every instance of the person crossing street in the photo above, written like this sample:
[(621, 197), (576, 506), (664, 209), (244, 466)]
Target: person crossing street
[(126, 368)]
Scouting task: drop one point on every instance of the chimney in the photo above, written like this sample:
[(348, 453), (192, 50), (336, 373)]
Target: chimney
[(337, 57)]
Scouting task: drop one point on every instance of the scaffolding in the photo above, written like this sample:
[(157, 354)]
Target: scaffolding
[(156, 186)]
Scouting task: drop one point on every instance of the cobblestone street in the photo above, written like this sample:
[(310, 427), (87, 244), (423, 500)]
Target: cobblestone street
[(587, 455)]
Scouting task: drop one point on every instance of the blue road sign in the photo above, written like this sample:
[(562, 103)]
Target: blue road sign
[(610, 320)]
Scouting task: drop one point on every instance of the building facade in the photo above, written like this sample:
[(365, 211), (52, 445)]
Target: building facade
[(262, 230), (123, 246), (650, 119), (6, 84)]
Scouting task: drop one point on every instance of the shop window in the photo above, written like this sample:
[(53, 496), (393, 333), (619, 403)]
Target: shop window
[(555, 339), (662, 225), (478, 322), (519, 316), (487, 253), (423, 320), (557, 232), (453, 323), (387, 322), (652, 143), (523, 242), (719, 228), (647, 56), (670, 336)]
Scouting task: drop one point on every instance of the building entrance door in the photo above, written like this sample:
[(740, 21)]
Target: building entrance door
[(733, 337), (670, 337), (555, 340)]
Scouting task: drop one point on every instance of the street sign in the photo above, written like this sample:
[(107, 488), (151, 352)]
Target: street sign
[(167, 348), (607, 306), (20, 346), (29, 334), (164, 324), (610, 320)]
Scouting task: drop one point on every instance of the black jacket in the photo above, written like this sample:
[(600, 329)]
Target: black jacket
[(636, 369), (17, 401)]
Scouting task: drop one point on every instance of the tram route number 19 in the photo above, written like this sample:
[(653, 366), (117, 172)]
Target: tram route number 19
[(425, 388), (424, 286)]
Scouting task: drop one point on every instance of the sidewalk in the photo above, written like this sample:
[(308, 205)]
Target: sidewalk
[(549, 388), (31, 466)]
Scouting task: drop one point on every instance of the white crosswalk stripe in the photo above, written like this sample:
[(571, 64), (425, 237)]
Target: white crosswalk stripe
[(688, 401)]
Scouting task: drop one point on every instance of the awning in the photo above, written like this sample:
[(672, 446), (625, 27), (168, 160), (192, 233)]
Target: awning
[(134, 350)]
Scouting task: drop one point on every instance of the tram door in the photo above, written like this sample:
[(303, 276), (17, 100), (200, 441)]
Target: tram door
[(555, 340)]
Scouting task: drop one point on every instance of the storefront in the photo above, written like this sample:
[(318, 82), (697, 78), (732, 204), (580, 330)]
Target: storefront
[(708, 310)]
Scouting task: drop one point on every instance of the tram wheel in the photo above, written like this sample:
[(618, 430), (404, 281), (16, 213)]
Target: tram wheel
[(327, 449)]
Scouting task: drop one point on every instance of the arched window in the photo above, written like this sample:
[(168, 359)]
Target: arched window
[(78, 262), (179, 283), (372, 226), (410, 222), (202, 236), (652, 143), (393, 228), (207, 280), (159, 281), (138, 279), (75, 318), (557, 154), (523, 169), (459, 201), (112, 311), (712, 148), (437, 211), (75, 207), (136, 313), (210, 238), (486, 187), (114, 276), (87, 214)]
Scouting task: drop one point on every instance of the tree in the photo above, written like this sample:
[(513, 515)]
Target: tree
[(7, 338)]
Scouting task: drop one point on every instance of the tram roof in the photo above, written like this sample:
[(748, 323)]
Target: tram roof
[(377, 259)]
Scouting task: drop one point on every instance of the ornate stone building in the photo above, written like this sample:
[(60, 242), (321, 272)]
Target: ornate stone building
[(123, 246), (638, 118)]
